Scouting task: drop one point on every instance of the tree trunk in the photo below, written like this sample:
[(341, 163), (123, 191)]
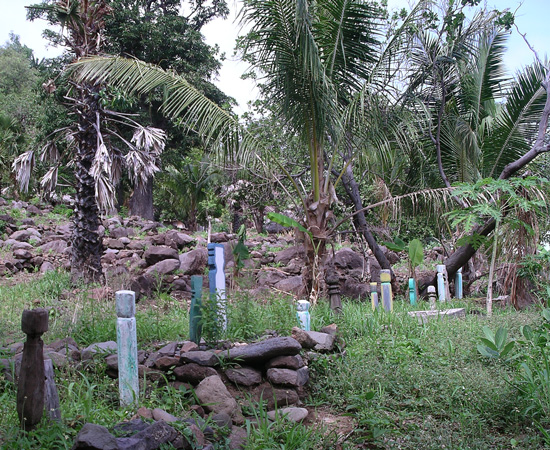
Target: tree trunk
[(87, 245), (352, 189), (141, 202)]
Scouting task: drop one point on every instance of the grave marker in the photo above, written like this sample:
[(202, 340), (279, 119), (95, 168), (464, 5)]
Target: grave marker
[(195, 314), (216, 276), (387, 296), (412, 291), (31, 385), (431, 297), (374, 295), (302, 312), (128, 380), (458, 284)]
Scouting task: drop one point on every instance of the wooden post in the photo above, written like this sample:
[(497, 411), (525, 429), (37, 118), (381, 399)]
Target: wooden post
[(30, 388), (216, 275), (333, 284), (459, 293), (374, 295), (302, 312), (431, 297), (412, 291), (387, 296), (51, 397), (128, 381), (195, 313)]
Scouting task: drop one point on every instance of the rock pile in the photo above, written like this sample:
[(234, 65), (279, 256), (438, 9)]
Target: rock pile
[(272, 371)]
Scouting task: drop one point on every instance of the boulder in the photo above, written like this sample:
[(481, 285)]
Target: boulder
[(94, 437), (263, 351), (161, 414), (177, 239), (57, 246), (202, 358), (244, 376), (164, 267), (347, 259), (193, 373), (288, 377), (285, 256), (194, 262), (151, 438), (155, 254), (214, 396), (294, 285), (286, 362), (276, 396)]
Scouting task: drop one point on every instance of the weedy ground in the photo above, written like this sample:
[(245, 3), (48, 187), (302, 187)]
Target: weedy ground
[(396, 384)]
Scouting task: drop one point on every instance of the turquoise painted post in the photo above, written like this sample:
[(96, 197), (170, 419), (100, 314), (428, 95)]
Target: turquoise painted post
[(128, 381), (458, 284), (216, 278), (195, 314), (412, 291), (387, 296), (374, 295), (302, 312)]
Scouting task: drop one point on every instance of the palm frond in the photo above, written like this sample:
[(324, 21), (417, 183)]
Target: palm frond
[(23, 166)]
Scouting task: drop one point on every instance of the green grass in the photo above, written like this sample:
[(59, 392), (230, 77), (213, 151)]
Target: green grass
[(405, 385)]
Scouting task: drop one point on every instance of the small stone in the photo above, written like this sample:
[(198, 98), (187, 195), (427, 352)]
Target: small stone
[(160, 414), (244, 376), (202, 358), (94, 437), (214, 397), (104, 348), (288, 377), (193, 373), (237, 438), (168, 349), (188, 346), (290, 414), (167, 362), (146, 413), (286, 362)]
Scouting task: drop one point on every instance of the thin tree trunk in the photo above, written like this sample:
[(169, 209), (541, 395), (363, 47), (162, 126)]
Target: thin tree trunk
[(87, 246), (141, 202), (491, 274)]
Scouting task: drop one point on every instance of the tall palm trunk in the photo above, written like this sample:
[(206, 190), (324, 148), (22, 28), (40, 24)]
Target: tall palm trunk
[(87, 246)]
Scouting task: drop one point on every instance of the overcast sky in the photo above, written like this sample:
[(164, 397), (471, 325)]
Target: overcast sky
[(531, 19)]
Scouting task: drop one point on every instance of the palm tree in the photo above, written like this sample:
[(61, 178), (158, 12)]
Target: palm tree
[(97, 160)]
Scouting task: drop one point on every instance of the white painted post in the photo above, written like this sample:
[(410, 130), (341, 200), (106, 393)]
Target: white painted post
[(374, 295), (216, 274), (387, 296), (302, 312), (459, 293), (431, 297), (441, 283), (128, 381)]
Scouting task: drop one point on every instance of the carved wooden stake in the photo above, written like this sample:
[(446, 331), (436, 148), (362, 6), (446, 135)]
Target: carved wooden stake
[(374, 295), (412, 291), (195, 314), (30, 389), (128, 381), (216, 275), (302, 312), (333, 283), (459, 293), (431, 296), (387, 296)]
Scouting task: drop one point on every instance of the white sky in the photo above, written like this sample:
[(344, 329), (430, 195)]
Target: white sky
[(531, 19)]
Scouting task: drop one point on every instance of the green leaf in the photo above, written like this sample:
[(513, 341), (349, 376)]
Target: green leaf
[(527, 332), (393, 247), (546, 314), (500, 337), (489, 344), (508, 347), (416, 252), (487, 352), (489, 334), (286, 221)]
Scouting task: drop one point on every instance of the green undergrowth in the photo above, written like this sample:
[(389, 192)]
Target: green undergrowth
[(404, 385)]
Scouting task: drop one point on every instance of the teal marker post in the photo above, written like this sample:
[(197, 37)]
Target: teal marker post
[(412, 291), (195, 313), (128, 380)]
